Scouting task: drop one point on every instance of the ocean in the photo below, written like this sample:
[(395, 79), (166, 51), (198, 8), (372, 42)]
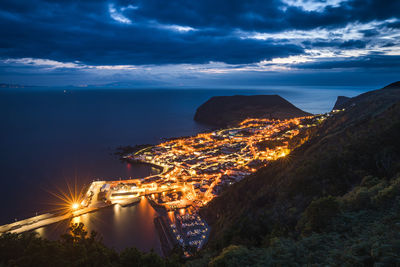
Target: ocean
[(51, 138)]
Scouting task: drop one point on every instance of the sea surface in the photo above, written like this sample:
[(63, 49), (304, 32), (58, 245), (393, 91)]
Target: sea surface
[(53, 140)]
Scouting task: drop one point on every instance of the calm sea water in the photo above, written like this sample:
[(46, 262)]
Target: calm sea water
[(50, 138)]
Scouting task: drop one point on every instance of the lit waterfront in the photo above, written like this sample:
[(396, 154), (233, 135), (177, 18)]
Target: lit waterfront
[(120, 227), (195, 170)]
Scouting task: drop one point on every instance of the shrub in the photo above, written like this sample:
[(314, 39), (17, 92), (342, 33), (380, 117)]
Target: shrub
[(319, 214)]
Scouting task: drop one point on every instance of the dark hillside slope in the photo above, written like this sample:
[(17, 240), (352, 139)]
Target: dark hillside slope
[(227, 110), (350, 146), (393, 85), (382, 97), (340, 101)]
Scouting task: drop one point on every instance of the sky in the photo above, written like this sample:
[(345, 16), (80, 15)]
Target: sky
[(199, 43)]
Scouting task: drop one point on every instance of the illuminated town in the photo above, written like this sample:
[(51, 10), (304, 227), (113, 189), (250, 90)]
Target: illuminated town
[(193, 170), (196, 169)]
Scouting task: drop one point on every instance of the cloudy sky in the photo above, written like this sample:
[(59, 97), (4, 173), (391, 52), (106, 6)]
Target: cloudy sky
[(199, 42)]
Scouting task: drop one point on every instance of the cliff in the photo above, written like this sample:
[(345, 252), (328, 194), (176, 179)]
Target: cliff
[(344, 101), (222, 111), (340, 101)]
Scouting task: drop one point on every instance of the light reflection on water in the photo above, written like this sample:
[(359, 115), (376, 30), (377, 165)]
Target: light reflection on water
[(120, 227)]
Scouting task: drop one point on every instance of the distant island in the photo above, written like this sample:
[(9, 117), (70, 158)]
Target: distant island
[(9, 85), (222, 111)]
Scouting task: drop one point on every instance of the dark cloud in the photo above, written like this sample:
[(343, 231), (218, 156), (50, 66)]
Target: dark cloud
[(394, 25), (270, 16), (84, 31), (354, 44), (370, 33), (122, 44), (390, 44)]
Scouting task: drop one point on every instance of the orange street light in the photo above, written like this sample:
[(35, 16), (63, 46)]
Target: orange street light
[(75, 206)]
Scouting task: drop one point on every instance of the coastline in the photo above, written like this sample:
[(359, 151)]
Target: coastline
[(187, 226)]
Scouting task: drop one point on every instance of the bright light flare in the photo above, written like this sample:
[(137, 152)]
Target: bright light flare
[(68, 201)]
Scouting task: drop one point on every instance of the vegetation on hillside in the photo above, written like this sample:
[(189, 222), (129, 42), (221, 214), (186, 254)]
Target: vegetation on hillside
[(360, 228)]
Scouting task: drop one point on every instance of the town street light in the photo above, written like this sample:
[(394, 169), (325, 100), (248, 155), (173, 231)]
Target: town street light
[(75, 206)]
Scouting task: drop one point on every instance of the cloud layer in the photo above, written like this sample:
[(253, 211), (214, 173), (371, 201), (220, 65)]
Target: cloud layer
[(124, 37)]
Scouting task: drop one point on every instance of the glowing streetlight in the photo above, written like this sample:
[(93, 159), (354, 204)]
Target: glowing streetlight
[(75, 206)]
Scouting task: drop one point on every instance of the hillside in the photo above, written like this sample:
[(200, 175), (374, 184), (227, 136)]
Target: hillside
[(333, 201), (222, 111), (395, 85)]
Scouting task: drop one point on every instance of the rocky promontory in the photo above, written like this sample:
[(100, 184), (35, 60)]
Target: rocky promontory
[(340, 101), (222, 111)]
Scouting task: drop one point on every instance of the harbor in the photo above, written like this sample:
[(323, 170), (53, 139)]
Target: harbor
[(192, 171)]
